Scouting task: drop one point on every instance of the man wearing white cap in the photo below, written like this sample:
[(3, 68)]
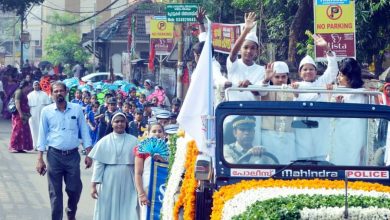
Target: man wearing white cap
[(37, 99), (244, 71), (308, 73), (277, 135), (306, 141)]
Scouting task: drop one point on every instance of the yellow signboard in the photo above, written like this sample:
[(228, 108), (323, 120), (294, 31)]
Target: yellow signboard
[(161, 29), (334, 18)]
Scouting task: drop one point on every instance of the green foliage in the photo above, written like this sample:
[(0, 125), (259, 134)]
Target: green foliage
[(276, 20), (306, 47), (246, 5), (8, 25), (172, 151), (63, 44), (288, 207), (19, 6), (64, 47), (372, 28)]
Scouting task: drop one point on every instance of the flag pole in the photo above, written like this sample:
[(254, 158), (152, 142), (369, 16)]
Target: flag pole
[(210, 113)]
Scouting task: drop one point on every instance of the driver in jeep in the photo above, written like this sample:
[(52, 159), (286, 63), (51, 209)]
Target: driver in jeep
[(242, 150)]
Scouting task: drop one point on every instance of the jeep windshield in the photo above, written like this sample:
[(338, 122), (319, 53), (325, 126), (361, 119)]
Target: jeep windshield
[(282, 139)]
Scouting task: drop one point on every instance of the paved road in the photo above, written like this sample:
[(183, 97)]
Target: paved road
[(23, 193)]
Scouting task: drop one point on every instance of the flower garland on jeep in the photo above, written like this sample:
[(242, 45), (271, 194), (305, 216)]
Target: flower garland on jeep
[(236, 199), (187, 192), (174, 177)]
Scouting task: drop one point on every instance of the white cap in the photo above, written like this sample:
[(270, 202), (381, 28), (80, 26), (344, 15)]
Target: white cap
[(252, 37), (163, 114), (202, 36), (171, 128), (307, 60), (280, 67)]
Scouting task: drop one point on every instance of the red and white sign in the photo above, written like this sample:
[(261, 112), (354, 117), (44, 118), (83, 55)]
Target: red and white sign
[(224, 36), (342, 44), (163, 46), (236, 172), (367, 174)]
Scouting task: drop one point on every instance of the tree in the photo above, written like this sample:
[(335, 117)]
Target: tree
[(298, 26), (64, 47), (372, 32), (63, 44), (281, 22), (19, 6)]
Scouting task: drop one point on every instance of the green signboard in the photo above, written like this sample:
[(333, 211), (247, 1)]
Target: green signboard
[(181, 12)]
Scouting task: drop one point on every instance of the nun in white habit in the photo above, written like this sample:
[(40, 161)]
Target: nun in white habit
[(113, 173), (37, 99)]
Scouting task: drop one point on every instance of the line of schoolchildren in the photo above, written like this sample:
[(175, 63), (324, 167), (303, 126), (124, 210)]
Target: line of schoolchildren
[(138, 111)]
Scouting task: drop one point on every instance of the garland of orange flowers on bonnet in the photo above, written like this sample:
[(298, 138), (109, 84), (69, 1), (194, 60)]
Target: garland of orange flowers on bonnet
[(187, 192), (226, 193)]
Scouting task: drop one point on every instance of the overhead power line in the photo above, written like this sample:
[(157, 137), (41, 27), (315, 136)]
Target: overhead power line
[(79, 12), (76, 22)]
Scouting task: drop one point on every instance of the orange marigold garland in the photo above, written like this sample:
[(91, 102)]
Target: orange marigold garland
[(187, 192), (226, 193)]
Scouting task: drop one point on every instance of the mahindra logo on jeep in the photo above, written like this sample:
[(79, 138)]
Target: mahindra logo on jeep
[(309, 173)]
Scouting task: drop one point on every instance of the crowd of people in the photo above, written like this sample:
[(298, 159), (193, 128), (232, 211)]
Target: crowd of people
[(110, 130)]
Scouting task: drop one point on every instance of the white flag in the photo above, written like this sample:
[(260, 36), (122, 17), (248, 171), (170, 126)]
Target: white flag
[(198, 103)]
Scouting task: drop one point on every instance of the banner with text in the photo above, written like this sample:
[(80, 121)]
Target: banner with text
[(162, 46), (158, 178), (224, 36), (342, 44)]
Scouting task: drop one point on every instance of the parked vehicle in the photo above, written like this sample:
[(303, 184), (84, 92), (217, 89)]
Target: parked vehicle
[(100, 76)]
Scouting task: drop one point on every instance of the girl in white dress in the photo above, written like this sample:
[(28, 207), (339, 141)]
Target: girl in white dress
[(142, 169), (350, 134)]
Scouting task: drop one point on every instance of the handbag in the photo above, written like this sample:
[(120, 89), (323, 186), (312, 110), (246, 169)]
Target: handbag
[(11, 105)]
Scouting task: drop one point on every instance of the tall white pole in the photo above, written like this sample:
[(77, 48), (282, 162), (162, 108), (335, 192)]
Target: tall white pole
[(94, 37)]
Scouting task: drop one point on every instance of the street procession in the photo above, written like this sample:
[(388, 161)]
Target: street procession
[(159, 109)]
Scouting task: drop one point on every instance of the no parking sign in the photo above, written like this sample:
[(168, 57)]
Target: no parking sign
[(334, 20)]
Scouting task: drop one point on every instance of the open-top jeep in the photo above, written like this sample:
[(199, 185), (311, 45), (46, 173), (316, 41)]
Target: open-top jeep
[(290, 140)]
